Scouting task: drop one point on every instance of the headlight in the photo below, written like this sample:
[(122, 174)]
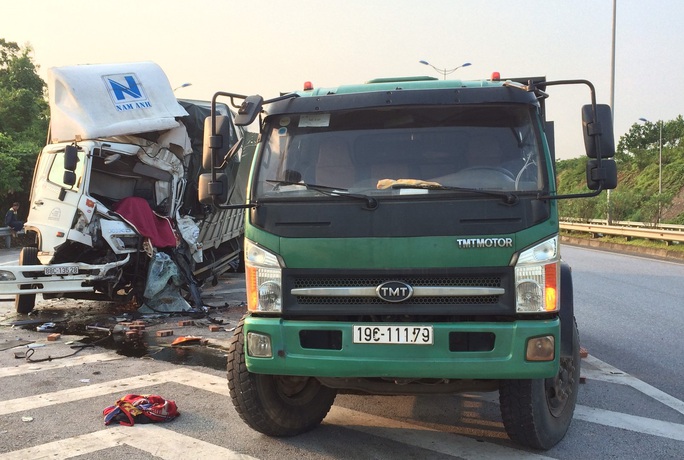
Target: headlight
[(537, 278), (263, 277), (6, 276)]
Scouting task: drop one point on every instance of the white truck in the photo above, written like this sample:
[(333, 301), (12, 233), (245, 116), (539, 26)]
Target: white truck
[(116, 186)]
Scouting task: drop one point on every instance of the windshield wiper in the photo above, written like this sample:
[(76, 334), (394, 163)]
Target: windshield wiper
[(508, 197), (371, 203)]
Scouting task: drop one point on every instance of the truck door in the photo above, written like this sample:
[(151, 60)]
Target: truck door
[(54, 203)]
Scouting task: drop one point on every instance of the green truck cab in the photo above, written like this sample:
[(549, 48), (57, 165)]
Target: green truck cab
[(402, 238)]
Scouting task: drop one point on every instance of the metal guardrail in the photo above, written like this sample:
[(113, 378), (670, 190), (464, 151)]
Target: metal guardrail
[(673, 227), (667, 233)]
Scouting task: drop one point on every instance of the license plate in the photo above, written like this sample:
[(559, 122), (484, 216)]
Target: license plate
[(63, 270), (399, 334)]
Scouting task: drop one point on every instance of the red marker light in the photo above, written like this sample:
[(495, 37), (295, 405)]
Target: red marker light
[(308, 86), (496, 76)]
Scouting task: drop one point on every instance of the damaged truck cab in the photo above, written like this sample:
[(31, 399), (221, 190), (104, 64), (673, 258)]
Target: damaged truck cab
[(116, 186), (404, 239)]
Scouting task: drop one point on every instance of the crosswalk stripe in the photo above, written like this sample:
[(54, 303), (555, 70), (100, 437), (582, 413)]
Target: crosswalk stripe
[(157, 441)]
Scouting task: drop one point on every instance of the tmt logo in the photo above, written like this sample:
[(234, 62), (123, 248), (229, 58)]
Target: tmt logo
[(394, 291), (126, 92)]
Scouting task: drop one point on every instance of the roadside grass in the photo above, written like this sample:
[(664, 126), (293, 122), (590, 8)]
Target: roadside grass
[(634, 242)]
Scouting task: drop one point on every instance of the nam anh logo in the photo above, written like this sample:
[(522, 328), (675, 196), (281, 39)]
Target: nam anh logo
[(126, 91)]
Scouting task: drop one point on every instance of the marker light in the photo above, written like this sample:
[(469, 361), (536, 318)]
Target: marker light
[(308, 86), (496, 76)]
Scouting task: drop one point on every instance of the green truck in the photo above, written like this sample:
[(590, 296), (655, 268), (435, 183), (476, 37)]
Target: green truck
[(402, 238)]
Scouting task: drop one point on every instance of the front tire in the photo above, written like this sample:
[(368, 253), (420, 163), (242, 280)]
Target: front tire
[(537, 413), (24, 303), (275, 405)]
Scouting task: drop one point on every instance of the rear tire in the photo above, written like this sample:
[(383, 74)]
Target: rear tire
[(275, 405), (537, 413), (24, 303)]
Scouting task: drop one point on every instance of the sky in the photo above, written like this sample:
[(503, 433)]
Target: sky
[(269, 47)]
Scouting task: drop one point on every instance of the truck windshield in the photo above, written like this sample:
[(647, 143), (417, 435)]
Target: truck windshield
[(384, 151)]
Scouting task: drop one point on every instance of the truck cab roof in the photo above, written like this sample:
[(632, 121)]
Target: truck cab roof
[(402, 91)]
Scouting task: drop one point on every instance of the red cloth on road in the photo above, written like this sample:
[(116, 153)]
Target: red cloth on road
[(138, 213)]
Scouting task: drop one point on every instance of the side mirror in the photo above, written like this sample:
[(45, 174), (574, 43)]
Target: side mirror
[(598, 131), (210, 192), (69, 178), (248, 111), (605, 176), (214, 148), (70, 158)]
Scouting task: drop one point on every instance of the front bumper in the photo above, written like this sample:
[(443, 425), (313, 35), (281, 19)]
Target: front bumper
[(505, 360), (30, 279)]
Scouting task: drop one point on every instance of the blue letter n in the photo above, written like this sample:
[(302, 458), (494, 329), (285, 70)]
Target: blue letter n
[(120, 90)]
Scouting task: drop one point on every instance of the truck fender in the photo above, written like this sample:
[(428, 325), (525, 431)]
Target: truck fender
[(567, 310)]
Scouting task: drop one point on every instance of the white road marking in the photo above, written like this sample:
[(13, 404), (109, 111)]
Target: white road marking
[(607, 373), (87, 391), (171, 445), (167, 444), (423, 437), (631, 422), (50, 365), (216, 384)]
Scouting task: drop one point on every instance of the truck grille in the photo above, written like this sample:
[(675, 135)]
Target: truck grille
[(478, 304)]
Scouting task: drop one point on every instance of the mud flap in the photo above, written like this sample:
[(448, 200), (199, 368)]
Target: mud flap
[(567, 310)]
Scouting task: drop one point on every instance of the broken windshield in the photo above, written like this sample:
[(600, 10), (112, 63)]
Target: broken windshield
[(371, 151)]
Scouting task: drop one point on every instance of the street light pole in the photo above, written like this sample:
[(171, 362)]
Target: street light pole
[(445, 72), (184, 85), (609, 217)]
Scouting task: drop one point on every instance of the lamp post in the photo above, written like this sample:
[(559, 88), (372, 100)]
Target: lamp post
[(445, 72), (660, 153), (184, 85)]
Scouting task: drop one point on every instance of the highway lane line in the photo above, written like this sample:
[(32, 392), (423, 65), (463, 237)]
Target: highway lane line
[(160, 442), (50, 365), (607, 373)]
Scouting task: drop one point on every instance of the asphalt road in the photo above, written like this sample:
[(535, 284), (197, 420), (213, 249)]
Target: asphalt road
[(630, 406)]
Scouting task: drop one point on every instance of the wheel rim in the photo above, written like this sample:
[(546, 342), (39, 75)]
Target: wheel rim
[(295, 389), (559, 389)]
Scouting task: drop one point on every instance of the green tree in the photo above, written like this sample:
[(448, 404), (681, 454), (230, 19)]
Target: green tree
[(24, 117)]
